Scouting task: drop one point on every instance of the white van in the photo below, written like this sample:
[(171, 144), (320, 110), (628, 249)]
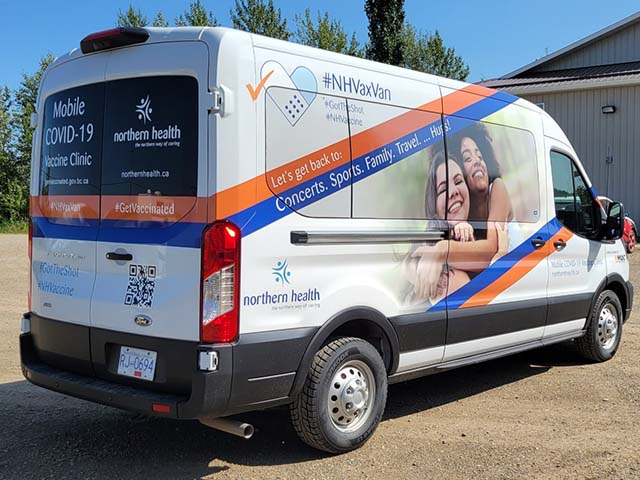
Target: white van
[(222, 222)]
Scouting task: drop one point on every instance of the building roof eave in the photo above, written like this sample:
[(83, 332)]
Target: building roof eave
[(556, 87)]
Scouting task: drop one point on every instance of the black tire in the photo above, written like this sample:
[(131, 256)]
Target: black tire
[(596, 345), (310, 414)]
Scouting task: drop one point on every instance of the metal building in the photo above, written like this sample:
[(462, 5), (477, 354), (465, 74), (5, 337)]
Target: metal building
[(592, 89)]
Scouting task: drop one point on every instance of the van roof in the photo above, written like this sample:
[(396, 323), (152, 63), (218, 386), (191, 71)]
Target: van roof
[(214, 35)]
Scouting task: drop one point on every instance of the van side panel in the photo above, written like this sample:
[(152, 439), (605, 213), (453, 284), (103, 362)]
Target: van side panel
[(508, 294), (311, 166), (232, 133)]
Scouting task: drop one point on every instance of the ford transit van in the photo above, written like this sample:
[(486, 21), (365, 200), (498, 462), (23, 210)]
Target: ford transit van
[(222, 222)]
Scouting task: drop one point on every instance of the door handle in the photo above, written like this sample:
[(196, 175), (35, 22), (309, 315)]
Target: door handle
[(538, 242), (122, 257), (559, 244)]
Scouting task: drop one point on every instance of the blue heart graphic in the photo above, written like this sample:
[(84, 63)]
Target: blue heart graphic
[(305, 81)]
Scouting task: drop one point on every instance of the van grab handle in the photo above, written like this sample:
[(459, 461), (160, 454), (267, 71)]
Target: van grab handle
[(122, 257), (365, 237), (538, 242), (559, 244)]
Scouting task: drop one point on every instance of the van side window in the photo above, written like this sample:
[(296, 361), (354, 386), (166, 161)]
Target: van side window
[(500, 167), (308, 160), (392, 149), (573, 201)]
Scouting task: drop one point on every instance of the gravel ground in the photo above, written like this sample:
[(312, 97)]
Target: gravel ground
[(538, 415)]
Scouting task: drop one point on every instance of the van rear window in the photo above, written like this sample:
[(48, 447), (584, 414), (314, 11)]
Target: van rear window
[(150, 137), (132, 142), (125, 137), (72, 142)]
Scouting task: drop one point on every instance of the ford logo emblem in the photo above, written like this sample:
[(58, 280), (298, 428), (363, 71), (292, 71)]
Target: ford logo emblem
[(142, 320)]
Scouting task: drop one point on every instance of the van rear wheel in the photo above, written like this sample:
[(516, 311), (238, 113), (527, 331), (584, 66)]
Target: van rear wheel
[(604, 329), (343, 397)]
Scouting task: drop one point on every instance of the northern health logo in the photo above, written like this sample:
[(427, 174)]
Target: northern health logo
[(144, 110), (281, 272)]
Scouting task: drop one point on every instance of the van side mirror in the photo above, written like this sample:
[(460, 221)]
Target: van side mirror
[(614, 226)]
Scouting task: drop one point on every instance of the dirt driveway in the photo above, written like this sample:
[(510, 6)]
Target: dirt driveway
[(537, 415)]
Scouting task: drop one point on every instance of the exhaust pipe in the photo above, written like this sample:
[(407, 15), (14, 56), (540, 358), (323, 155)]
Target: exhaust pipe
[(239, 429)]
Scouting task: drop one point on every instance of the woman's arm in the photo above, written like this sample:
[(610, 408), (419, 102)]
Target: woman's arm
[(477, 255), (473, 256), (500, 203), (503, 240)]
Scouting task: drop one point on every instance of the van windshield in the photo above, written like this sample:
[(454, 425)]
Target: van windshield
[(120, 139)]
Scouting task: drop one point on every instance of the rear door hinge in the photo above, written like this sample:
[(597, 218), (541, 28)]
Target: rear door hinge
[(214, 100), (220, 100)]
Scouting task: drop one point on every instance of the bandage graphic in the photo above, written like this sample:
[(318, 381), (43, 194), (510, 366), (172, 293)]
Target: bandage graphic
[(293, 93)]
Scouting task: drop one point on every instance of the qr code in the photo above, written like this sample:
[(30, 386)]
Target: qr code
[(142, 282)]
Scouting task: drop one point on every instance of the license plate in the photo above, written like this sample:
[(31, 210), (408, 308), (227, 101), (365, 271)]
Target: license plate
[(137, 363)]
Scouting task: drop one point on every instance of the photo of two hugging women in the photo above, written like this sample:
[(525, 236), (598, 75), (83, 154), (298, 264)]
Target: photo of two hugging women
[(465, 194)]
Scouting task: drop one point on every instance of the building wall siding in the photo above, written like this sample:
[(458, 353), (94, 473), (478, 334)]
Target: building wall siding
[(620, 47), (596, 136)]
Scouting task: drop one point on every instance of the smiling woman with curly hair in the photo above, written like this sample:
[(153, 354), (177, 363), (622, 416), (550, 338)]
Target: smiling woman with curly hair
[(489, 197)]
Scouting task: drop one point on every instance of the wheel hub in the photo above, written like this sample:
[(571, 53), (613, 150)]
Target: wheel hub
[(607, 327), (351, 393)]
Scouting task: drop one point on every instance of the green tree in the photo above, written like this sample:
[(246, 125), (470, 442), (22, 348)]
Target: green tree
[(25, 104), (427, 53), (5, 123), (160, 21), (256, 16), (386, 22), (196, 16), (326, 34), (131, 18), (11, 195)]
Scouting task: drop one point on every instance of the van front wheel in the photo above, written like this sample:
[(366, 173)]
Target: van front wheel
[(343, 397), (604, 329)]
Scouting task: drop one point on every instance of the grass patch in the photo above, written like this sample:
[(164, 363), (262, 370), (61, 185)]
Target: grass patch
[(15, 226)]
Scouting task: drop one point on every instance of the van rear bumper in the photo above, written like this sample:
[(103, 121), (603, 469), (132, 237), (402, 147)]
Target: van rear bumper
[(209, 390), (252, 373)]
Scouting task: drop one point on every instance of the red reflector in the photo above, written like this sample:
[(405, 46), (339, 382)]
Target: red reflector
[(113, 38), (160, 408)]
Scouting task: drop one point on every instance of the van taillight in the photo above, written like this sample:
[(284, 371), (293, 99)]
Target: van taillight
[(220, 283), (30, 253), (113, 38)]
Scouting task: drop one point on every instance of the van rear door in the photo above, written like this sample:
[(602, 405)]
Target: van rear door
[(153, 195), (65, 207)]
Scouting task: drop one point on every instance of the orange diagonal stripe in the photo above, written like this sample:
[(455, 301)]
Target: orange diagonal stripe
[(515, 273), (250, 192)]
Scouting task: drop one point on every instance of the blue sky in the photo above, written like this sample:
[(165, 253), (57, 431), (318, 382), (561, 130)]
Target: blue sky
[(493, 37)]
